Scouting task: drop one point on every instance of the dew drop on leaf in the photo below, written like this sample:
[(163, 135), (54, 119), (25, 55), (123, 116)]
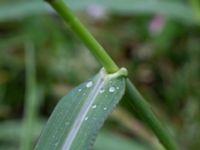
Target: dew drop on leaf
[(86, 118), (89, 84), (112, 89), (101, 91), (94, 106)]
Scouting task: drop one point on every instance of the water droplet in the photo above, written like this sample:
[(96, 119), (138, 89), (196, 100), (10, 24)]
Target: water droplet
[(117, 88), (79, 90), (89, 84), (86, 118), (112, 89), (84, 94), (101, 91), (94, 106), (104, 108)]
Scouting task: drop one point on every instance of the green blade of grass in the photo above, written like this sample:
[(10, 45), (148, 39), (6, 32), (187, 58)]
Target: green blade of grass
[(79, 115), (175, 10), (31, 99), (109, 141)]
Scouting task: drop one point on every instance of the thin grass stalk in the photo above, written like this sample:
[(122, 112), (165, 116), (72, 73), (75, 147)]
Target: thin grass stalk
[(31, 101)]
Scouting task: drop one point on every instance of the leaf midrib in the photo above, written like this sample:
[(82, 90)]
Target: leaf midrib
[(83, 112)]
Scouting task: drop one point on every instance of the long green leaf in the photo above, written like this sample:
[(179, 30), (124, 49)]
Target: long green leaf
[(31, 102), (79, 115), (172, 9)]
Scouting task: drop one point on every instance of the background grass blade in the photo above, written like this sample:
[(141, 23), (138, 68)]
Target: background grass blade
[(172, 9), (19, 10), (109, 141), (78, 116), (31, 102)]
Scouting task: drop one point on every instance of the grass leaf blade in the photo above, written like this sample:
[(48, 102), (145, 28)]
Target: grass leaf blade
[(172, 9), (79, 115)]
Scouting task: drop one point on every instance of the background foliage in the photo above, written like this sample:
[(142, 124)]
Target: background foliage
[(158, 41)]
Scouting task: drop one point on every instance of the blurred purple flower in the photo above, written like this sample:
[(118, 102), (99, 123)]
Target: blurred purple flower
[(156, 25), (96, 11)]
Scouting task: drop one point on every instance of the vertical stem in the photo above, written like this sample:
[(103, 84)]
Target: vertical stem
[(95, 48), (31, 101), (145, 112)]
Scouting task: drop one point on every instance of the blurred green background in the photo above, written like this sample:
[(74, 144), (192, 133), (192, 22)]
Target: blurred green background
[(41, 60)]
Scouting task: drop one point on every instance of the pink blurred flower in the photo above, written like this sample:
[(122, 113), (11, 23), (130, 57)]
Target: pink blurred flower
[(157, 24)]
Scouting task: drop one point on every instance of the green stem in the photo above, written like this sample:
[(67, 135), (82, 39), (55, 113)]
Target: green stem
[(145, 112), (96, 49)]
